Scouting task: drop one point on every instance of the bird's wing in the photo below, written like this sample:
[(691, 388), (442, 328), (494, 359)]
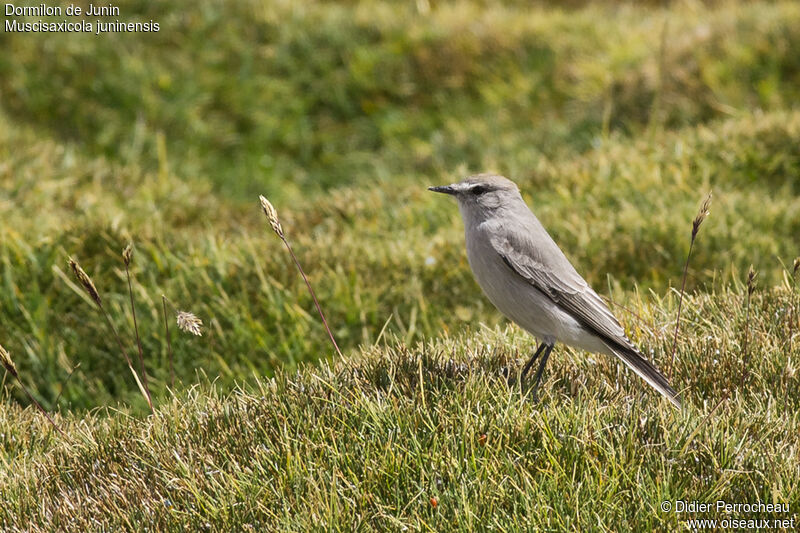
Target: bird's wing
[(559, 281), (565, 287)]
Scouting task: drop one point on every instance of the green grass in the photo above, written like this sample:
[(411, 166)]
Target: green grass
[(372, 253), (262, 93), (366, 442), (615, 120)]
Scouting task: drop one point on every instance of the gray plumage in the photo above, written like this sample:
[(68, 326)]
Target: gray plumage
[(529, 279)]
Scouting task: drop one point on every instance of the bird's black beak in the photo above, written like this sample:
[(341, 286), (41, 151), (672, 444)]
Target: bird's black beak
[(446, 189)]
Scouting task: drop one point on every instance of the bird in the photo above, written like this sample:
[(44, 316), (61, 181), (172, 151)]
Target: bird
[(527, 277)]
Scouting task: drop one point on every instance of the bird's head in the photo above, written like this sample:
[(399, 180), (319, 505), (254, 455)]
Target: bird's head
[(480, 195)]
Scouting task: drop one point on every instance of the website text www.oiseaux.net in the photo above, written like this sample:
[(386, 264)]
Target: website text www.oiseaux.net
[(687, 512)]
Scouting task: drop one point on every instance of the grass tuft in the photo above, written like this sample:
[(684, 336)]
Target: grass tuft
[(348, 445)]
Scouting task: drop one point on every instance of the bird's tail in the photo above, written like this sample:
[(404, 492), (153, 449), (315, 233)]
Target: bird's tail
[(637, 362)]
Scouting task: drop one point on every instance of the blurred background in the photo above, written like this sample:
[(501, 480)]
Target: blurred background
[(615, 120)]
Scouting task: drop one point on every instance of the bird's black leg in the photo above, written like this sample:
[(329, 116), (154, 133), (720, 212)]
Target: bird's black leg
[(530, 362), (538, 378)]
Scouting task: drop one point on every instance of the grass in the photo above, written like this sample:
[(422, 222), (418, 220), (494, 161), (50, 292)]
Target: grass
[(696, 223), (366, 442), (615, 120), (371, 252), (386, 91)]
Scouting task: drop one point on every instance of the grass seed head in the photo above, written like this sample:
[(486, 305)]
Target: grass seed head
[(701, 215), (189, 323), (127, 254), (751, 280), (86, 281), (796, 265), (272, 216), (5, 360)]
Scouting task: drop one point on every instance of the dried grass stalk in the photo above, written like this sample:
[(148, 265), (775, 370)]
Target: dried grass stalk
[(169, 343), (86, 281), (127, 258), (274, 222), (8, 364), (751, 288), (11, 368), (272, 216), (696, 223), (127, 254), (701, 215), (793, 310)]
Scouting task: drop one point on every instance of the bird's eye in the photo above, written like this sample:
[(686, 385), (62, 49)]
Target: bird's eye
[(478, 190)]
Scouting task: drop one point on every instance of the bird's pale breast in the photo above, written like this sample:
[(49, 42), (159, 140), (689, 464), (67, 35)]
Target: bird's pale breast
[(520, 301)]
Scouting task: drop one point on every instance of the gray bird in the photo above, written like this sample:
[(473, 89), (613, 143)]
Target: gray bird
[(529, 279)]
